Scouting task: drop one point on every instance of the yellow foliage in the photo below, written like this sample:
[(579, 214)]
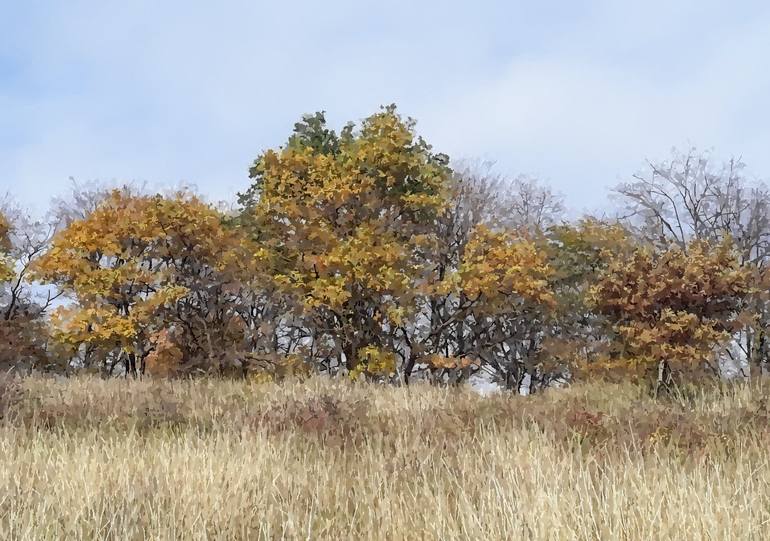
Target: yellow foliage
[(501, 265), (347, 219), (122, 264), (374, 361)]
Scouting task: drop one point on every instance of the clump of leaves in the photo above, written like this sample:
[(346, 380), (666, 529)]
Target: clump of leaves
[(673, 306)]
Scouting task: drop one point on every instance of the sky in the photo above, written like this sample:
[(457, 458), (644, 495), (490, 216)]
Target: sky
[(576, 93)]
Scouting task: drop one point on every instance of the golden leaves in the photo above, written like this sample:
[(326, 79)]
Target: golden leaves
[(374, 362), (500, 265), (130, 259), (6, 261), (348, 216), (6, 267)]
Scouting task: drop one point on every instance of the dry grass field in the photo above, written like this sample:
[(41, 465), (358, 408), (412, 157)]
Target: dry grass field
[(94, 459)]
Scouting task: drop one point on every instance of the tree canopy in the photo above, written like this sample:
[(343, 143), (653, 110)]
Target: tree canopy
[(366, 252)]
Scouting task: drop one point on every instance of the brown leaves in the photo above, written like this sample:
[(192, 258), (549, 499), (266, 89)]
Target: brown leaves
[(165, 358), (450, 363), (674, 305)]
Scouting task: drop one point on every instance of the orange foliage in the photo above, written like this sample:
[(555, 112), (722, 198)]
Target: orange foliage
[(676, 305)]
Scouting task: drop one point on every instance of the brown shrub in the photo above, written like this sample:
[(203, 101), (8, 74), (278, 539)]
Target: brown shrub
[(166, 357)]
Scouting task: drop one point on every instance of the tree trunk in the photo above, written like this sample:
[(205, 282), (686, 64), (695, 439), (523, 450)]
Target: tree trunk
[(759, 356), (664, 378), (351, 357), (132, 364), (409, 368)]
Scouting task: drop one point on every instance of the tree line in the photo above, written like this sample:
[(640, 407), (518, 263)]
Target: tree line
[(366, 253)]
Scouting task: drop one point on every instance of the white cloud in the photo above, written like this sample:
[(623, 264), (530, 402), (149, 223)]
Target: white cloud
[(578, 93), (585, 124)]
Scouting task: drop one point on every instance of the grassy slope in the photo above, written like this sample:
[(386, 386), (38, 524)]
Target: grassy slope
[(87, 458)]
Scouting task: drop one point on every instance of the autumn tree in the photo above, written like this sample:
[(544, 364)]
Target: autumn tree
[(504, 279), (673, 307), (693, 196), (140, 265), (23, 330), (537, 339), (346, 220), (438, 336), (578, 254)]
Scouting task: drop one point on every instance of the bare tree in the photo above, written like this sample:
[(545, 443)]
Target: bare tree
[(690, 196), (522, 202), (29, 239), (23, 304), (530, 205), (84, 198)]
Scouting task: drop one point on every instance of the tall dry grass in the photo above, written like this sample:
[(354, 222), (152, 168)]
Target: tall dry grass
[(93, 459)]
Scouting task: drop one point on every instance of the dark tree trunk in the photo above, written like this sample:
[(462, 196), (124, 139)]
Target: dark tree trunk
[(409, 368), (351, 356), (132, 364), (663, 383)]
